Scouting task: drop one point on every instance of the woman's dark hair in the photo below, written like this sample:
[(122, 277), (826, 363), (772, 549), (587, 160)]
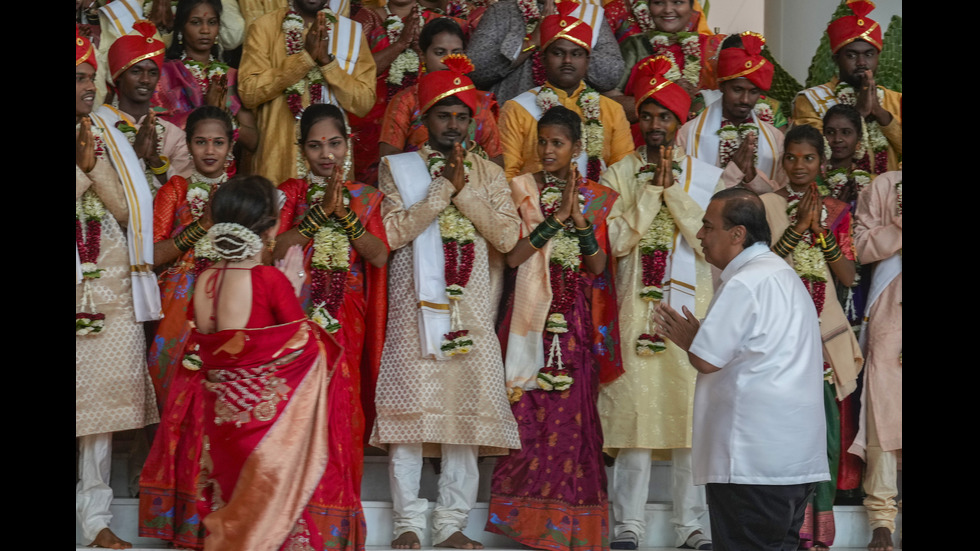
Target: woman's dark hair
[(207, 113), (181, 16), (316, 113), (742, 207), (846, 111), (733, 40), (565, 118), (437, 26), (247, 200), (805, 134)]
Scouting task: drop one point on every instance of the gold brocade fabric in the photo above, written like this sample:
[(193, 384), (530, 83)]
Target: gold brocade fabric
[(651, 405), (113, 391), (461, 400)]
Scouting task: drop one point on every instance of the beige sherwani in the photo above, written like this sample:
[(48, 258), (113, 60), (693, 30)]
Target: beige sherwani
[(461, 400), (113, 391), (651, 405)]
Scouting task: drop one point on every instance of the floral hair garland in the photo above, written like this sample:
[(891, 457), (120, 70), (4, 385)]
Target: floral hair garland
[(236, 241), (200, 188), (458, 247)]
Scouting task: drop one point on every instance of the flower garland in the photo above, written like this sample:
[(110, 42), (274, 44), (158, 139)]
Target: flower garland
[(763, 111), (808, 259), (731, 137), (199, 191), (688, 66), (532, 16), (655, 247), (330, 261), (89, 211), (128, 128), (872, 135), (459, 251), (837, 178), (563, 272), (407, 62), (204, 72), (292, 26), (898, 191)]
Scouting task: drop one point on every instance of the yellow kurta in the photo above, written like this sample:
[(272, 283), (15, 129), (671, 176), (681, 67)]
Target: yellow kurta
[(804, 113), (651, 405), (265, 73), (519, 133)]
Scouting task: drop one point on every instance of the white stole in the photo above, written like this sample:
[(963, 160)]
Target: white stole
[(412, 178), (529, 101), (699, 180), (703, 140), (345, 46), (139, 231), (821, 98), (121, 14)]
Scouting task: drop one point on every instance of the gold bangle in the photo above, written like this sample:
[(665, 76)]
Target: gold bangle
[(162, 169)]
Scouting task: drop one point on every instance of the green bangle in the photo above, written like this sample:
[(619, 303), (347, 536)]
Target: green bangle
[(588, 244)]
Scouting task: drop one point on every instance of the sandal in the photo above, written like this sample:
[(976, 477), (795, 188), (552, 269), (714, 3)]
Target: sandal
[(626, 540), (697, 540)]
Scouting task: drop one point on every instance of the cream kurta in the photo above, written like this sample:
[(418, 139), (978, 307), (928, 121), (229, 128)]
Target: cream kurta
[(651, 405), (461, 400), (113, 390), (878, 235), (265, 73)]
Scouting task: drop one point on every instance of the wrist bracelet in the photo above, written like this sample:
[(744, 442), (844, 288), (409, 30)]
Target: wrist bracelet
[(163, 168), (542, 234), (186, 239)]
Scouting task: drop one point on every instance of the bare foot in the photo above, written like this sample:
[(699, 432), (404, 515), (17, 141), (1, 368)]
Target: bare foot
[(881, 540), (460, 541), (408, 540), (109, 540)]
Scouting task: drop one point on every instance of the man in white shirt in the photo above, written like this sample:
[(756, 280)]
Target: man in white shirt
[(759, 436)]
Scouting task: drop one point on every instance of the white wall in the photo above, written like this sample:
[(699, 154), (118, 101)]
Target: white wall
[(792, 27)]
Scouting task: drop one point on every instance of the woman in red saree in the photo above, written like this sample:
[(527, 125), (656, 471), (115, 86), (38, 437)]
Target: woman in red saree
[(338, 223), (551, 494), (169, 479), (267, 369)]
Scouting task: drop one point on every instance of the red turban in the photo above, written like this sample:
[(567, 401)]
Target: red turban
[(647, 80), (84, 52), (746, 61), (562, 25), (844, 30), (130, 49), (437, 85)]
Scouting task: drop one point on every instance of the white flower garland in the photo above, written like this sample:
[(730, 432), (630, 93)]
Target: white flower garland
[(249, 243), (204, 72), (89, 208), (731, 137), (836, 179), (871, 130), (530, 14), (407, 62), (690, 44), (808, 259)]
